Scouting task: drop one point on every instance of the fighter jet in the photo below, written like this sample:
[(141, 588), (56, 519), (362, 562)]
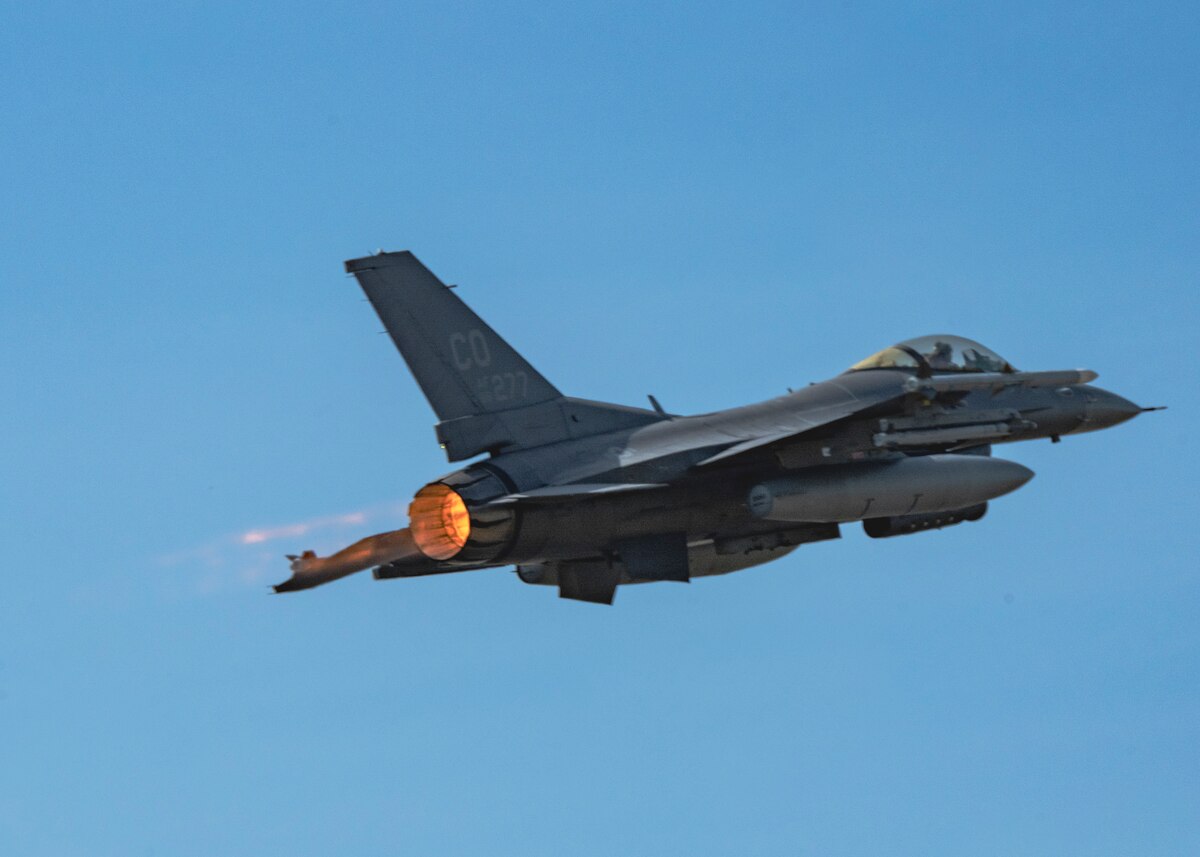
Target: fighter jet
[(588, 496)]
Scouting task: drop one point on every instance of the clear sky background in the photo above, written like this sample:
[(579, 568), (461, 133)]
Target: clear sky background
[(703, 201)]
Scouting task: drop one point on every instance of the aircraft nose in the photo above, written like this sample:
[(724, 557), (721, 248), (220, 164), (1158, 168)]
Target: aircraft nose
[(1103, 409)]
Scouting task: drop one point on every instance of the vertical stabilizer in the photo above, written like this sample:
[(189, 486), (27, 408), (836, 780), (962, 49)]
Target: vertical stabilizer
[(486, 395), (463, 366)]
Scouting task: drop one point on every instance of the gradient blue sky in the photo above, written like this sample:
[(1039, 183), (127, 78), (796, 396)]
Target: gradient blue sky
[(708, 202)]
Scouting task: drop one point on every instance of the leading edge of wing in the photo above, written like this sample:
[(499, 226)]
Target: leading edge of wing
[(750, 445), (812, 420), (578, 491)]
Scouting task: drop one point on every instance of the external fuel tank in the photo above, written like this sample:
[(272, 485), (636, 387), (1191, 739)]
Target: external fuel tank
[(878, 489)]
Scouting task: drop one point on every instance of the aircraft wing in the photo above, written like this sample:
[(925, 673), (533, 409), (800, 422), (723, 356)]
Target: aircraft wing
[(577, 491), (746, 446), (911, 388), (810, 422)]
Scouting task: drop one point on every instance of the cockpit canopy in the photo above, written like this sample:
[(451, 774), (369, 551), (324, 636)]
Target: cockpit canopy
[(937, 354)]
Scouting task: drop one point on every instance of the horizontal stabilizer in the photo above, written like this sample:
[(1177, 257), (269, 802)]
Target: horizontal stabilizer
[(411, 566), (310, 570)]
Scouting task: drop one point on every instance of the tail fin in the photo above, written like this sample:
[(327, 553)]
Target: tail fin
[(486, 395), (463, 367)]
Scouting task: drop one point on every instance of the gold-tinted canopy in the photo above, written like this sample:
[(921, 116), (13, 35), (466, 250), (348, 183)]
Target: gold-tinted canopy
[(939, 353)]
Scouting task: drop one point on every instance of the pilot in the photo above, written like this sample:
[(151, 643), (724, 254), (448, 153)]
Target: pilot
[(941, 357)]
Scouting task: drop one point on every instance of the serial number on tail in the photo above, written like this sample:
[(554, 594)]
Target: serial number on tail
[(505, 387)]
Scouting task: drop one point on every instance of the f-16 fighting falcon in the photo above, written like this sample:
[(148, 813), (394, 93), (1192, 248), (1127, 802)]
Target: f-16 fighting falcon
[(587, 496)]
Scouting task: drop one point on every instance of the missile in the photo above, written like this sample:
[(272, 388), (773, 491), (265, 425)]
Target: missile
[(310, 570), (905, 486), (965, 382)]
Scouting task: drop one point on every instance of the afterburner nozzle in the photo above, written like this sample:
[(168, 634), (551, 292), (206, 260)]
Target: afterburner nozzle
[(440, 521), (309, 570)]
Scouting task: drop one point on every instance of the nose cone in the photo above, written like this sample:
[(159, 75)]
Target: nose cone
[(1103, 409)]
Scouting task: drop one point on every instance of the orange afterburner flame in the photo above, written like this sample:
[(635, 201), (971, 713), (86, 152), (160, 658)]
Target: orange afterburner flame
[(440, 521)]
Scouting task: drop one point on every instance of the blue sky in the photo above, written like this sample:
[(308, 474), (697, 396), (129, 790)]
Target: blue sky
[(707, 202)]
